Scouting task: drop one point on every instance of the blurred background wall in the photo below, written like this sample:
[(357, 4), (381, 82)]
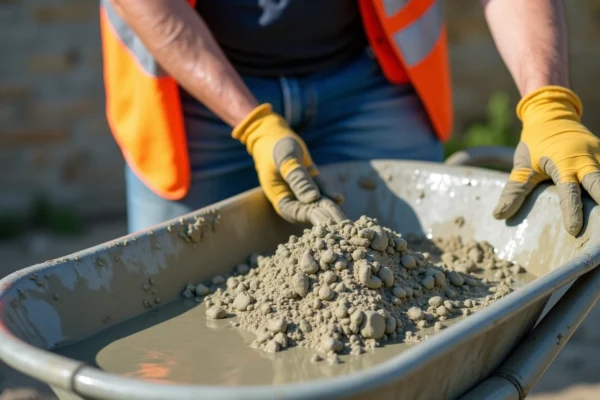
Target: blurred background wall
[(54, 141)]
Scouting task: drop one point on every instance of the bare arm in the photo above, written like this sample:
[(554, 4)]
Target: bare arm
[(531, 37), (183, 45)]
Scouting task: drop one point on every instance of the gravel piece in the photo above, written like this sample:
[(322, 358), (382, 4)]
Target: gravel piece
[(216, 312)]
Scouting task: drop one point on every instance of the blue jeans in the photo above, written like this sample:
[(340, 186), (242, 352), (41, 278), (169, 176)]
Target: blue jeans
[(351, 113)]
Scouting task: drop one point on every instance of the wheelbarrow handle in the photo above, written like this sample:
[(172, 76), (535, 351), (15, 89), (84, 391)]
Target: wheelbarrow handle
[(497, 156), (528, 362)]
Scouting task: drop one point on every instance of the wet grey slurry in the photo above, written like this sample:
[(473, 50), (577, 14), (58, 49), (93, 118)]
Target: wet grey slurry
[(339, 298)]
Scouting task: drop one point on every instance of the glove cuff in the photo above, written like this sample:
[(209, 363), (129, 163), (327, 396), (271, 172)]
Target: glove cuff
[(244, 129), (547, 97)]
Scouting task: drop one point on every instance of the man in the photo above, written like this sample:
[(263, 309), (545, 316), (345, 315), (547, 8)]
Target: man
[(210, 98)]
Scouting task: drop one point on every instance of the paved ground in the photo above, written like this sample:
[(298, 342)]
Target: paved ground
[(574, 375)]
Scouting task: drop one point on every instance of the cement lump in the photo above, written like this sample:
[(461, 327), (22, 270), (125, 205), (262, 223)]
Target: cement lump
[(216, 313)]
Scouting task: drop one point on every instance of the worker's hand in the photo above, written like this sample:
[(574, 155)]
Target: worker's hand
[(286, 172), (554, 145)]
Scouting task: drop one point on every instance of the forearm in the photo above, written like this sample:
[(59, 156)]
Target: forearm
[(183, 45), (531, 37)]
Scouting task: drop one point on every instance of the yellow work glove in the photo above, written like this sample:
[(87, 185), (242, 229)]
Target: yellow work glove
[(285, 170), (554, 145)]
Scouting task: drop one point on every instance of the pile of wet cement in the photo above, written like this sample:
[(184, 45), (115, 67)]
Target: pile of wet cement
[(347, 287)]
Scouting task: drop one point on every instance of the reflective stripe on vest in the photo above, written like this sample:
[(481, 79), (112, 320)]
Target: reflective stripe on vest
[(392, 7), (131, 41), (417, 40), (415, 31)]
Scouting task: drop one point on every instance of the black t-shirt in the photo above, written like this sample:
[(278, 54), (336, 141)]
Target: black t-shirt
[(285, 37)]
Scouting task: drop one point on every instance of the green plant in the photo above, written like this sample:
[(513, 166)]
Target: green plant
[(10, 225), (59, 220), (42, 215), (497, 129), (41, 208), (65, 222)]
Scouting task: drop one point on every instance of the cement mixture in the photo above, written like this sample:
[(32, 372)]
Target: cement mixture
[(347, 287)]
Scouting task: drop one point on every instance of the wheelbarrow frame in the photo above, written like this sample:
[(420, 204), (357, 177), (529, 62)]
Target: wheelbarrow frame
[(519, 373), (404, 373)]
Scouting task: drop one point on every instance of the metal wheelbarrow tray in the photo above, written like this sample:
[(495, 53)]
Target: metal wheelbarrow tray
[(410, 197)]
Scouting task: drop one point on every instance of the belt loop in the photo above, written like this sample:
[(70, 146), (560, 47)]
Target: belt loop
[(287, 99), (370, 52)]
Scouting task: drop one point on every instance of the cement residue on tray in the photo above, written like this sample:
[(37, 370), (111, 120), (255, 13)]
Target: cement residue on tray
[(347, 287)]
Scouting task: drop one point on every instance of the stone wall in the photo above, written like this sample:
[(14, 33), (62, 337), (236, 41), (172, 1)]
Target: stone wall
[(53, 134)]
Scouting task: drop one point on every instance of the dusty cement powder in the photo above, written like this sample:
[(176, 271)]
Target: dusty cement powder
[(347, 287)]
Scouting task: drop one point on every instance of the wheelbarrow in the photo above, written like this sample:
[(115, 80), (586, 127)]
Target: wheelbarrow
[(497, 353)]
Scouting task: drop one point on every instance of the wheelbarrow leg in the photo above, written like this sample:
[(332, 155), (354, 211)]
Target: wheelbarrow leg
[(528, 362)]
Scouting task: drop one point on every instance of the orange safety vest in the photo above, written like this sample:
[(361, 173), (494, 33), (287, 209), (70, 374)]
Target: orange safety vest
[(143, 108)]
